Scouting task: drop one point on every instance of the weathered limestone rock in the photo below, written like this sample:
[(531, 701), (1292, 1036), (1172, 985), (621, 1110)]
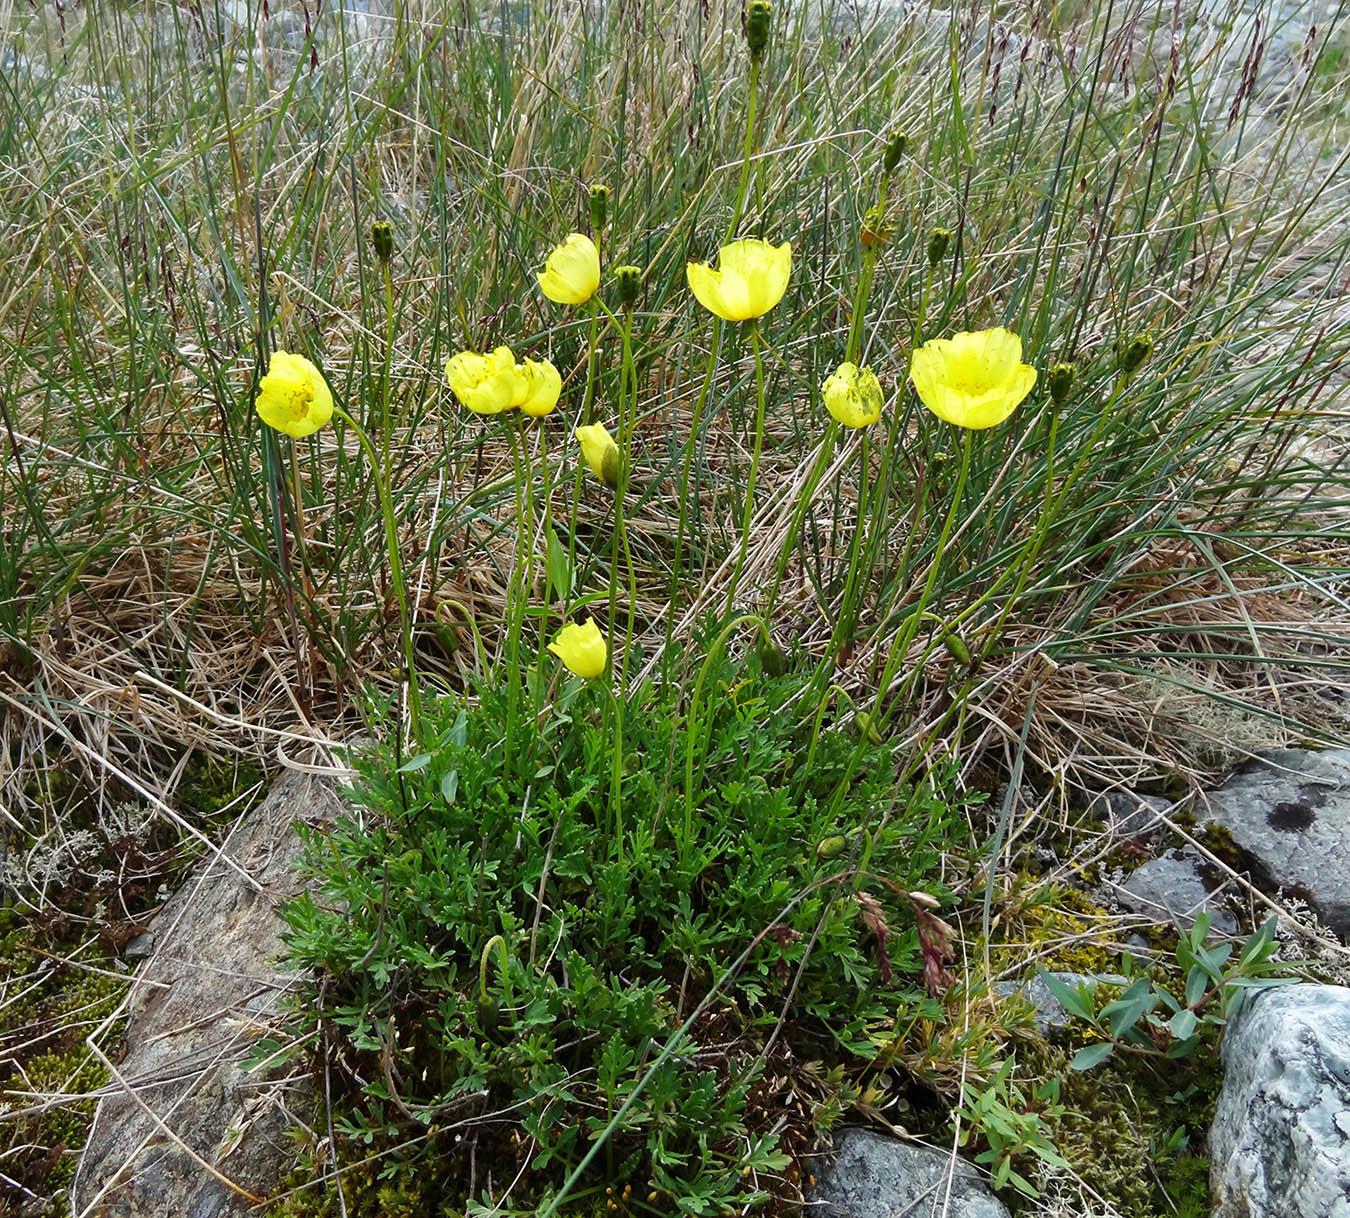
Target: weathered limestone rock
[(872, 1176), (206, 992), (1280, 1143), (1177, 885), (1290, 811)]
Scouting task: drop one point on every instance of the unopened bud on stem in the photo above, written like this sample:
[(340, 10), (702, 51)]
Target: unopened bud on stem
[(758, 19), (1061, 383), (938, 245), (1135, 352), (599, 207), (382, 238), (629, 282), (895, 149)]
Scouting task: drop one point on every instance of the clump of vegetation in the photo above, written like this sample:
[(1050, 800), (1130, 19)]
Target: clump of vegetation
[(493, 948), (720, 443)]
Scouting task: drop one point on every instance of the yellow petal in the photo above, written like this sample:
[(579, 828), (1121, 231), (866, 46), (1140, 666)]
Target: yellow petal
[(542, 387), (582, 649), (293, 397), (572, 272)]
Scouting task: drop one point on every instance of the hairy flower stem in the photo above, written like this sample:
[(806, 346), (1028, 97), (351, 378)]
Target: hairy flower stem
[(757, 341), (414, 694), (747, 152), (518, 591), (909, 629), (700, 403), (587, 400), (386, 426), (619, 655)]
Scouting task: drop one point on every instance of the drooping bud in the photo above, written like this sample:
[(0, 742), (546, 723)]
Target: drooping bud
[(867, 728), (956, 647), (772, 658), (382, 238), (1061, 383), (599, 206), (1135, 352), (938, 245), (628, 280), (895, 149), (758, 19)]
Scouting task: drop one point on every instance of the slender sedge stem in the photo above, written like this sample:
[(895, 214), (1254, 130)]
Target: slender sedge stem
[(395, 572), (757, 342)]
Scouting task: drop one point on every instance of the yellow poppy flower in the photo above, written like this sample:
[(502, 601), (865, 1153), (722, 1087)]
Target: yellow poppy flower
[(485, 384), (540, 385), (572, 272), (582, 649), (973, 380), (293, 396), (601, 453), (751, 278), (853, 395)]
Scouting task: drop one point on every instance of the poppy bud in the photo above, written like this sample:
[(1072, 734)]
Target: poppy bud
[(956, 647), (831, 847), (895, 149), (867, 728), (382, 238), (772, 658), (1061, 383), (629, 281), (938, 244), (758, 18), (1135, 352), (599, 207)]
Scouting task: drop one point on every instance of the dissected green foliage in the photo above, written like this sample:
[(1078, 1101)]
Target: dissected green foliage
[(533, 968)]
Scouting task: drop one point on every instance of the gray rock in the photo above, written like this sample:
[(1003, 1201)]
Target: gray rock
[(872, 1176), (1050, 1016), (1127, 814), (1290, 812), (1280, 1143), (205, 994), (1178, 885)]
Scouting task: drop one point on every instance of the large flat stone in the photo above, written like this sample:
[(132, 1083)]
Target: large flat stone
[(207, 990), (1290, 812)]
